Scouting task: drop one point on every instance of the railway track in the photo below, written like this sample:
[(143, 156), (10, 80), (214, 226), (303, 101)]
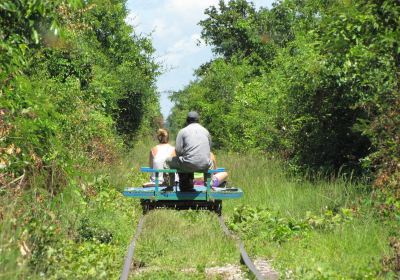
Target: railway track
[(201, 197), (245, 259)]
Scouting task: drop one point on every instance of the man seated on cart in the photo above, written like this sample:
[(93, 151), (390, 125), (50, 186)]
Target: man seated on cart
[(193, 148)]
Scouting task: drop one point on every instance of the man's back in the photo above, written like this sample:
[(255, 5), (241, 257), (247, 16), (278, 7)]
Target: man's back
[(193, 146)]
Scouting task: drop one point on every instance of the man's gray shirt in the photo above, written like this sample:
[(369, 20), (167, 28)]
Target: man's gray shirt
[(193, 147)]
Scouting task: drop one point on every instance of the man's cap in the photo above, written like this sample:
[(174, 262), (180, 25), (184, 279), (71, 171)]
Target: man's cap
[(192, 116)]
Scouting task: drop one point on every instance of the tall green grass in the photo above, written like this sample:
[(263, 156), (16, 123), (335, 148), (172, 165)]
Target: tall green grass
[(266, 184), (352, 250), (182, 245), (81, 232), (11, 262)]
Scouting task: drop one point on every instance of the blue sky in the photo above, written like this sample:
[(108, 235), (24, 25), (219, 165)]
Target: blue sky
[(172, 25)]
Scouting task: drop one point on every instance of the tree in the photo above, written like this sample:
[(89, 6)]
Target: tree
[(236, 29)]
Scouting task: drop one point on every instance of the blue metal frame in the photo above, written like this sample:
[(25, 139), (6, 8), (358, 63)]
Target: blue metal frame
[(201, 193)]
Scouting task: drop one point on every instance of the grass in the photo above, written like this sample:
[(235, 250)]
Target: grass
[(266, 184), (9, 254), (182, 241), (182, 245), (352, 250), (79, 233)]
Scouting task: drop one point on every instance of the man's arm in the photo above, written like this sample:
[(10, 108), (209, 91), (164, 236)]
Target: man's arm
[(151, 158), (179, 144)]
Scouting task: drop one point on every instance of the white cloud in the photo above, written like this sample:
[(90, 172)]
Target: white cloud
[(189, 10), (163, 30), (186, 44), (174, 31), (173, 27), (181, 49), (169, 19)]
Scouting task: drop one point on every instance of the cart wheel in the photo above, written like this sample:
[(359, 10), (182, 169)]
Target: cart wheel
[(145, 207), (217, 207)]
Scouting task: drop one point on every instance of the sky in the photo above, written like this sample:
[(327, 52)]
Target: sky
[(172, 26)]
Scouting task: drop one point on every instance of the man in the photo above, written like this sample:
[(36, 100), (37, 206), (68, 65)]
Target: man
[(193, 146)]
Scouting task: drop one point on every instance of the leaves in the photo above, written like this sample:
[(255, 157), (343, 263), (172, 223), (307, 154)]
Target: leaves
[(265, 225), (321, 91), (63, 85)]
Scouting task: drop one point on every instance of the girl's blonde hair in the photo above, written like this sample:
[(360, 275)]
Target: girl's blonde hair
[(162, 136)]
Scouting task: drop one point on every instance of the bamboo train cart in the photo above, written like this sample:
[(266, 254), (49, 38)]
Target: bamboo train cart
[(201, 197)]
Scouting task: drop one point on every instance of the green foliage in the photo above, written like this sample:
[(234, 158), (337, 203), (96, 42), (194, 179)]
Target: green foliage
[(80, 233), (129, 58), (75, 90), (212, 97), (341, 236), (89, 232), (72, 73), (236, 29), (325, 95), (315, 81), (21, 23), (102, 233), (87, 260), (264, 225)]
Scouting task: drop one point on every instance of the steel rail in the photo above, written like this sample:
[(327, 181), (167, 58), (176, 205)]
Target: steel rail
[(243, 254), (131, 250)]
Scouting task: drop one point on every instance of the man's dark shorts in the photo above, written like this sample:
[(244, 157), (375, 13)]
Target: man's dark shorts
[(185, 179)]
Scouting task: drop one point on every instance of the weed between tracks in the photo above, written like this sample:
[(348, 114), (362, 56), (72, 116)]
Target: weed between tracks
[(182, 244)]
